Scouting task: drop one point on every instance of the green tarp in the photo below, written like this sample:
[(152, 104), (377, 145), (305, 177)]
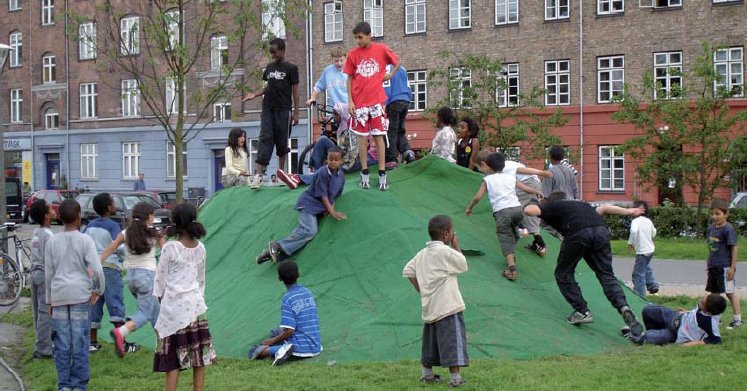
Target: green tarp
[(367, 310)]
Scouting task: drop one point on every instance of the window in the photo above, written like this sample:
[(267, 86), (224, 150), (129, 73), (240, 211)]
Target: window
[(611, 169), (460, 86), (88, 97), (130, 98), (373, 13), (172, 21), (726, 1), (87, 41), (292, 161), (557, 9), (273, 24), (414, 16), (51, 119), (558, 82), (610, 76), (130, 160), (333, 21), (460, 14), (508, 93), (14, 5), (221, 112), (218, 52), (668, 74), (15, 56), (506, 11), (417, 81), (47, 12), (610, 7), (16, 106), (172, 104), (728, 65), (667, 3), (171, 160), (49, 72), (88, 159), (130, 35)]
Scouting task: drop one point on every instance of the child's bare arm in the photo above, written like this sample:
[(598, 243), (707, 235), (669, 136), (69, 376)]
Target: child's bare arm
[(351, 105), (476, 198), (693, 343), (733, 267), (533, 171), (527, 189), (414, 282), (393, 72), (112, 247), (280, 338), (331, 210), (532, 210)]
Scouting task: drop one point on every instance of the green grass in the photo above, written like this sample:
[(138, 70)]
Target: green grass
[(627, 368), (678, 248)]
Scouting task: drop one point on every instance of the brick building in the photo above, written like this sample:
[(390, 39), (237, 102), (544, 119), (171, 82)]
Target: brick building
[(540, 42), (71, 120)]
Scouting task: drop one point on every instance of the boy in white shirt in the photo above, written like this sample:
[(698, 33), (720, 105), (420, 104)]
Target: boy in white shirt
[(641, 240), (433, 272)]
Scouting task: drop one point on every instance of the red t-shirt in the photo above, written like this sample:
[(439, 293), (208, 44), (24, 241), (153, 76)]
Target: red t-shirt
[(367, 67)]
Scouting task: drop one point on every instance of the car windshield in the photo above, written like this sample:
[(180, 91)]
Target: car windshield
[(168, 197), (131, 200), (68, 194)]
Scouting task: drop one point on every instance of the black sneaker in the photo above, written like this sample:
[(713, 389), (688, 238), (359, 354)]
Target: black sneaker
[(263, 257), (625, 331), (94, 347), (274, 249), (653, 290), (636, 329), (131, 347), (531, 247), (577, 318)]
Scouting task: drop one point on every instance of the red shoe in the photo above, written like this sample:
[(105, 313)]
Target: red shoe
[(290, 180), (119, 347)]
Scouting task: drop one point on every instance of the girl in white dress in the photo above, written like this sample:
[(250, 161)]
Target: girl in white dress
[(444, 143)]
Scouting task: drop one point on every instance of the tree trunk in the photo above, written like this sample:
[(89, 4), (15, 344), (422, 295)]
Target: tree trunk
[(179, 140)]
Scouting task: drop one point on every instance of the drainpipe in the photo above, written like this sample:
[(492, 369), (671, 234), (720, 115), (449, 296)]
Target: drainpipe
[(309, 69), (67, 95), (581, 96)]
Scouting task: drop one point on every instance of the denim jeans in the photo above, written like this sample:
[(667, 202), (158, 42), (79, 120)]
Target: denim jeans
[(71, 339), (42, 320), (306, 230), (658, 322), (113, 298), (319, 152), (140, 282), (643, 276)]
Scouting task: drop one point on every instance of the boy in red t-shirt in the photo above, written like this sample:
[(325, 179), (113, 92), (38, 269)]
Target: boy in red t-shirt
[(366, 70)]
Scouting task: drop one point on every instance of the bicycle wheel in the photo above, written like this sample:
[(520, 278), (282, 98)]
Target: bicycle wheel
[(302, 161), (11, 280)]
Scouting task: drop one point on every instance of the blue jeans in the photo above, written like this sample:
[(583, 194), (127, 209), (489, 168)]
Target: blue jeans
[(140, 282), (658, 322), (113, 298), (643, 276), (71, 339), (319, 152), (306, 230), (42, 320)]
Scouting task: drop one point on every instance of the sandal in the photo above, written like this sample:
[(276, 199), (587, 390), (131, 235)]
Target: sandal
[(510, 275)]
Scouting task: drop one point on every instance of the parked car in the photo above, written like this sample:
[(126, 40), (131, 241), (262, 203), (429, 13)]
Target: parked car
[(14, 200), (167, 198), (739, 200), (53, 197), (124, 202)]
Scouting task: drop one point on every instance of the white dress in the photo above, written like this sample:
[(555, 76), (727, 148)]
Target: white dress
[(180, 283), (444, 144)]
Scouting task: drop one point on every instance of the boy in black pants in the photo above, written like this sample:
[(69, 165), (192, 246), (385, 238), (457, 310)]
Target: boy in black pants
[(282, 82)]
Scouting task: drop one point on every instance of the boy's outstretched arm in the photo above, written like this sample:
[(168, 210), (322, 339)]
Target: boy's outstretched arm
[(391, 73), (252, 95), (331, 210), (414, 282), (533, 171), (112, 247), (528, 190), (280, 338), (616, 210), (476, 198)]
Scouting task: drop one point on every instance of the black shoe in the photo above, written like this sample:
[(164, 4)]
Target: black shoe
[(263, 257), (276, 252), (636, 329), (653, 290)]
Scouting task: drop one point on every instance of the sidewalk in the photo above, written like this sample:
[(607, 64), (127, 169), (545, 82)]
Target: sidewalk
[(11, 337), (676, 277)]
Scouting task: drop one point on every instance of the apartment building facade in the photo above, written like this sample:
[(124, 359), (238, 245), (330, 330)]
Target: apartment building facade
[(71, 121), (580, 52)]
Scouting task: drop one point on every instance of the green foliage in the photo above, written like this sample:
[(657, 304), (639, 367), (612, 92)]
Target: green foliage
[(674, 222)]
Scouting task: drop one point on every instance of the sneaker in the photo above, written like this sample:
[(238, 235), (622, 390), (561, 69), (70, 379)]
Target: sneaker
[(735, 323), (255, 351), (118, 342), (541, 251), (290, 180), (636, 329), (431, 379), (131, 347), (653, 291), (531, 246), (457, 383), (577, 318), (383, 183), (283, 354), (40, 356), (522, 232), (94, 347), (264, 256), (255, 182), (409, 156), (364, 181), (276, 252), (625, 330)]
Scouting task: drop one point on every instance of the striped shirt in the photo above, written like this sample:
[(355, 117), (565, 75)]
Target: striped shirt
[(298, 312)]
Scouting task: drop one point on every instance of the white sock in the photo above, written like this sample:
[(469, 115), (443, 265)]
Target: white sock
[(123, 331), (455, 377), (427, 372)]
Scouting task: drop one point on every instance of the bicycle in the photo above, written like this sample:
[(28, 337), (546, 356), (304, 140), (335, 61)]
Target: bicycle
[(12, 271), (329, 122)]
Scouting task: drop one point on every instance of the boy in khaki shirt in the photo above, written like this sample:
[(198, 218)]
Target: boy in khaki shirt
[(433, 273)]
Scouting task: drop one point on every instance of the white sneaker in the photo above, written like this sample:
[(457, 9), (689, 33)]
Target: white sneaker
[(283, 354), (256, 181), (383, 184), (364, 181)]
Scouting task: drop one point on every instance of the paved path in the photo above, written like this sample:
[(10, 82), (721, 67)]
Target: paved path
[(11, 337)]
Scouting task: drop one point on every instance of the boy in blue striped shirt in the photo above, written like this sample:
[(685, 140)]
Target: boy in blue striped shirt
[(298, 335)]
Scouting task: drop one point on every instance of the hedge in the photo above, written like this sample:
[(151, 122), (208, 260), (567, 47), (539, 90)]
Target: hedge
[(673, 222)]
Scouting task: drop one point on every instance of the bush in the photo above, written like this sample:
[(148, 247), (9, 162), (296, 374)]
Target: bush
[(673, 222)]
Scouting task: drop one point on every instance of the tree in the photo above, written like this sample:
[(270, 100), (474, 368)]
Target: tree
[(481, 87), (145, 41), (686, 131)]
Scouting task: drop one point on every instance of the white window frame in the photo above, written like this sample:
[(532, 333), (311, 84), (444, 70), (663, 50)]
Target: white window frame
[(16, 106), (47, 12), (726, 1), (614, 7), (172, 21), (88, 100), (615, 77), (731, 60), (461, 78), (510, 95), (415, 16), (607, 154), (171, 160), (171, 102), (87, 41), (504, 14), (219, 112), (218, 52), (130, 35), (272, 20), (418, 82), (460, 16), (252, 145), (89, 157), (669, 3), (51, 119), (557, 9), (14, 5), (130, 98), (49, 69), (130, 160), (670, 66), (333, 21), (373, 13), (554, 76), (15, 55), (292, 154)]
